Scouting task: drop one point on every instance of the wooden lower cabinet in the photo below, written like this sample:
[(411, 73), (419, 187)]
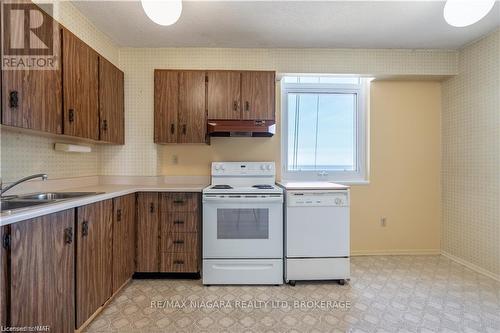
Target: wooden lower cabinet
[(4, 231), (93, 258), (123, 240), (147, 232), (42, 272)]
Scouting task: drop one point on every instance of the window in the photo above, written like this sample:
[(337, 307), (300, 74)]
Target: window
[(324, 128)]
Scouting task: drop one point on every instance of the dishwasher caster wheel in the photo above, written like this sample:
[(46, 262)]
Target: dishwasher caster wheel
[(292, 283), (342, 282)]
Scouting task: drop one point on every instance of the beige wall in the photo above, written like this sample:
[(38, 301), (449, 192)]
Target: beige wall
[(471, 158)]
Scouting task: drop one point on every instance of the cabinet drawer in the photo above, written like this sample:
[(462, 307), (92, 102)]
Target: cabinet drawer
[(180, 202), (180, 222), (180, 242), (179, 262)]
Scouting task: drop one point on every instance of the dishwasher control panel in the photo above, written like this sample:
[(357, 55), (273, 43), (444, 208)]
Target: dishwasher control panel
[(318, 199)]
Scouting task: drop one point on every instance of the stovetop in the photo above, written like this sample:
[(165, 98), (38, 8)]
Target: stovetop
[(255, 189)]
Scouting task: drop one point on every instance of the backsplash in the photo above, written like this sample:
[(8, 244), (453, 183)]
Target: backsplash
[(471, 157)]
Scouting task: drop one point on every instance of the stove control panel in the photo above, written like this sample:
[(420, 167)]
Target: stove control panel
[(243, 169)]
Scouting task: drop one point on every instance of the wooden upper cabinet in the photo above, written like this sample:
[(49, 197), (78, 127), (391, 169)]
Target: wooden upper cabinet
[(224, 99), (80, 93), (123, 240), (166, 106), (257, 95), (42, 272), (93, 258), (192, 110), (32, 99), (111, 103), (180, 106)]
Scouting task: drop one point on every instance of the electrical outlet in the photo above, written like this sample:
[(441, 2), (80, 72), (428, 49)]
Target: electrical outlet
[(175, 159), (383, 221)]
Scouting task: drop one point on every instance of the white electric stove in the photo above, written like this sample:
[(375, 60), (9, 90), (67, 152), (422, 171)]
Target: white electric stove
[(243, 225)]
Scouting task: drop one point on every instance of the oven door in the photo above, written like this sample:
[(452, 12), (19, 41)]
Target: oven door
[(242, 226)]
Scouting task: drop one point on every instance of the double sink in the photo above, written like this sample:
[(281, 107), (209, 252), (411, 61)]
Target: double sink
[(27, 201)]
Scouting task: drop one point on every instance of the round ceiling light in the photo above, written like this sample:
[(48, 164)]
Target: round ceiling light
[(461, 13), (162, 12)]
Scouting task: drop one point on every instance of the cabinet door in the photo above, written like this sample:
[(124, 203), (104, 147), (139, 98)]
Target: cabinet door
[(257, 95), (32, 99), (111, 107), (42, 272), (192, 107), (223, 98), (123, 240), (80, 81), (3, 279), (147, 232), (93, 258), (166, 104)]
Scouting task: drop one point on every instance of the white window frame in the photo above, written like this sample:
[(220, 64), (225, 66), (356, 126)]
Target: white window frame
[(348, 177)]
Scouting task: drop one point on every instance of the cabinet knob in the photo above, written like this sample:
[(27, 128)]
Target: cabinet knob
[(13, 99), (85, 228), (119, 215), (152, 208), (68, 235), (235, 105), (104, 125), (172, 128), (247, 106), (71, 115)]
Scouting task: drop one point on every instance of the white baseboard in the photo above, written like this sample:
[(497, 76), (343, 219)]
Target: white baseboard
[(409, 252), (472, 266)]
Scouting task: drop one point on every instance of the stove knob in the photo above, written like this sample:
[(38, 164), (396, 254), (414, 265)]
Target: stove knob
[(263, 167), (222, 167), (217, 167), (338, 201), (268, 167)]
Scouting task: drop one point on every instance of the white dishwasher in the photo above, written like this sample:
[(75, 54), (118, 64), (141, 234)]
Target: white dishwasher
[(317, 235)]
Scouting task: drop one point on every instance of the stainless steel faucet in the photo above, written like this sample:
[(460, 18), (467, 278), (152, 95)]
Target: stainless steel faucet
[(22, 180)]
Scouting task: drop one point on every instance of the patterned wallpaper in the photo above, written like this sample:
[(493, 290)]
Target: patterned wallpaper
[(140, 156), (471, 157), (24, 154)]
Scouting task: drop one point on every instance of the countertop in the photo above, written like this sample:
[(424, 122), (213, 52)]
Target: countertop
[(109, 191), (312, 186)]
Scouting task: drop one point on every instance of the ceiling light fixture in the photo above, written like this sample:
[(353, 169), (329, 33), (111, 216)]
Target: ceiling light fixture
[(461, 13), (162, 12)]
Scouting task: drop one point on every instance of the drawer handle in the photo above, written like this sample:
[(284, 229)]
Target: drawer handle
[(178, 201), (152, 208), (178, 222), (178, 262), (178, 242), (119, 215)]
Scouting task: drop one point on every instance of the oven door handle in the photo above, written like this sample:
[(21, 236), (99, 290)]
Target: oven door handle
[(243, 198)]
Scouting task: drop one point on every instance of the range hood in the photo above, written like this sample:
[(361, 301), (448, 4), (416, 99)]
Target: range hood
[(242, 128)]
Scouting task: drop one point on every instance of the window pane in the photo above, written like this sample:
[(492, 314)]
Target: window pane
[(321, 131)]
